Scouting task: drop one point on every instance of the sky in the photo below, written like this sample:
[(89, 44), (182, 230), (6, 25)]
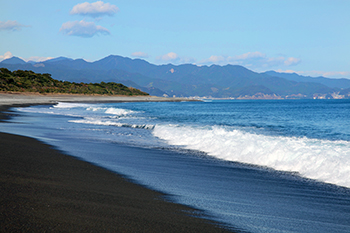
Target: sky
[(309, 37)]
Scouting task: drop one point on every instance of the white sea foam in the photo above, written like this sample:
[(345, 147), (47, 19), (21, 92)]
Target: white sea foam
[(111, 123), (35, 110), (323, 160), (70, 105), (112, 111), (50, 111), (118, 111), (65, 109), (94, 109)]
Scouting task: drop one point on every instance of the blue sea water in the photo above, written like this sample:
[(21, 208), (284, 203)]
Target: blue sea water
[(255, 165)]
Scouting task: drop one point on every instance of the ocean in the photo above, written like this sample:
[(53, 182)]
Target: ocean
[(254, 165)]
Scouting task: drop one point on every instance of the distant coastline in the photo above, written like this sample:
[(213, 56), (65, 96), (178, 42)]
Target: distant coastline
[(188, 80)]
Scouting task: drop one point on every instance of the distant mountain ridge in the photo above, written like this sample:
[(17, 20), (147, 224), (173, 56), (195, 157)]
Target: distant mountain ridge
[(334, 83), (229, 81)]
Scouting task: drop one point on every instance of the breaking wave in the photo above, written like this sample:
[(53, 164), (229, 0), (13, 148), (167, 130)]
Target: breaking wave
[(111, 123), (323, 160)]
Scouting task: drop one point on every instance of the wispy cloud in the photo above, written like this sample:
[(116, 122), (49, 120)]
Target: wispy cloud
[(215, 59), (175, 58), (140, 54), (286, 71), (317, 73), (261, 60), (169, 57), (83, 29), (249, 55), (7, 55), (11, 25), (252, 60), (96, 9), (37, 59), (291, 61)]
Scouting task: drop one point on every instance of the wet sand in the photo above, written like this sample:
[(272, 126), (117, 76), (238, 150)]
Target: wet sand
[(31, 98), (43, 189)]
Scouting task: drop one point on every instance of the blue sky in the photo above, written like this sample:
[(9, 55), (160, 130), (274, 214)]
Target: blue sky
[(310, 37)]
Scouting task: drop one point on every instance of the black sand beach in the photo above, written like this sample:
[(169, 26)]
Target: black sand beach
[(43, 190)]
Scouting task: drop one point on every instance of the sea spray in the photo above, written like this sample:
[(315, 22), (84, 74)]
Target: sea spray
[(323, 160), (70, 105), (112, 111)]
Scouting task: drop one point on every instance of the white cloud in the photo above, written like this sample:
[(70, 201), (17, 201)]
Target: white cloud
[(175, 59), (248, 55), (329, 74), (95, 9), (286, 71), (7, 55), (187, 60), (139, 54), (216, 59), (252, 60), (268, 62), (83, 29), (291, 61), (317, 73), (37, 59), (168, 57), (11, 25)]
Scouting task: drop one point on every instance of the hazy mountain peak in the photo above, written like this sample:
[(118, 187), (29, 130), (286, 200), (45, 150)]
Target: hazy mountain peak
[(13, 60), (59, 59)]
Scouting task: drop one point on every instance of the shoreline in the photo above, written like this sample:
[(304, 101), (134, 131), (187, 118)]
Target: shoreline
[(60, 192), (34, 99)]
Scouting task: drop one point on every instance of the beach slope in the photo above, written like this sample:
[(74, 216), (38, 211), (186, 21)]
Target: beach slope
[(43, 190)]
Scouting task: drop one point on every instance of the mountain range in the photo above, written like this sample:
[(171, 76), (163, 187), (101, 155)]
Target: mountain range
[(229, 81)]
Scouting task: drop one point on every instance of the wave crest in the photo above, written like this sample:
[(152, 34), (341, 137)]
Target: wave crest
[(323, 160), (112, 123)]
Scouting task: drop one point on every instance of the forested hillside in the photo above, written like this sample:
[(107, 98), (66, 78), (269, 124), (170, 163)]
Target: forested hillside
[(28, 81)]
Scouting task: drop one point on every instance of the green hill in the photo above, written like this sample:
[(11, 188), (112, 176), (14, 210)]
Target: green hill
[(28, 81)]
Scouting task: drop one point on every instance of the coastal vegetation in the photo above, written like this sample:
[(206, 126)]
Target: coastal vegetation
[(29, 81)]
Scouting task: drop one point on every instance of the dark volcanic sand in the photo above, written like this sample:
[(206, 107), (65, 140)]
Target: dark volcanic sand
[(45, 190)]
